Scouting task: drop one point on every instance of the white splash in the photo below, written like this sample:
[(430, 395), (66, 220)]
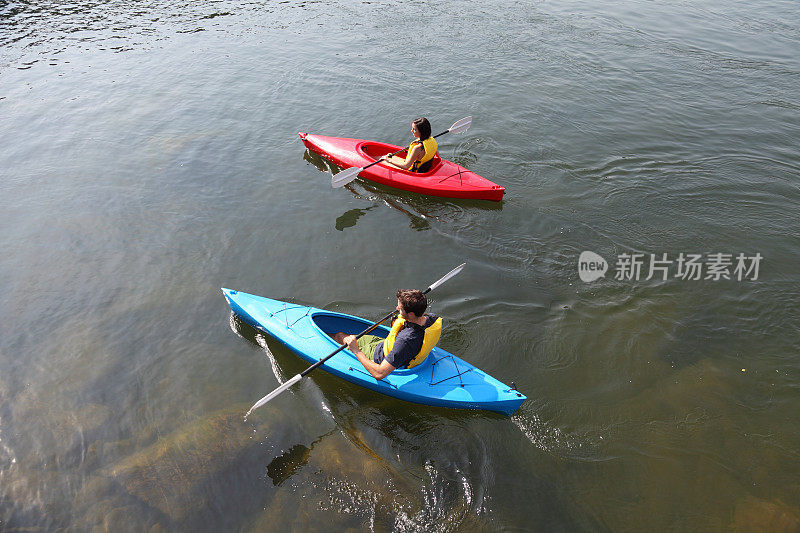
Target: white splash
[(544, 436), (232, 323), (6, 453), (262, 341)]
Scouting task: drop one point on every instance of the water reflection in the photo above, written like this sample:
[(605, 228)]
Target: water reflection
[(416, 222), (387, 463), (417, 207), (288, 463), (425, 206), (318, 161), (349, 218), (285, 465)]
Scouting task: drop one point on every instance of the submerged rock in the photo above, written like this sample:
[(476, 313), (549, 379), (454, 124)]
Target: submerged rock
[(351, 459), (337, 483), (681, 454), (202, 463), (101, 504), (166, 475), (752, 514)]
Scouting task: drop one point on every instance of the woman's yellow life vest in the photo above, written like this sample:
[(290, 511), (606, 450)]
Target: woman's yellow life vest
[(432, 334), (431, 147)]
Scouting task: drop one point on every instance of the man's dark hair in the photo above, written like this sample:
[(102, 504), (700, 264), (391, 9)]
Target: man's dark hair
[(424, 127), (412, 301)]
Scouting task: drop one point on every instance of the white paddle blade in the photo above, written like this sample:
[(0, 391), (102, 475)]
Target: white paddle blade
[(344, 177), (274, 393), (447, 276), (461, 126)]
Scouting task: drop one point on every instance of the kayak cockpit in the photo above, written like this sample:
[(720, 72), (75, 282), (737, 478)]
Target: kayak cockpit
[(376, 150), (331, 323)]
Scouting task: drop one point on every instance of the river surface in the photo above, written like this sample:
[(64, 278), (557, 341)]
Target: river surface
[(149, 156)]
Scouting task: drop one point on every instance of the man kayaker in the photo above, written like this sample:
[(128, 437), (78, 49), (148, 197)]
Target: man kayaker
[(419, 155), (413, 335)]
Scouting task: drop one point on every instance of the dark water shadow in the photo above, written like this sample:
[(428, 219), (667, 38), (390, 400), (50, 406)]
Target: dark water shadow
[(317, 160), (285, 465), (349, 218), (416, 222), (291, 461)]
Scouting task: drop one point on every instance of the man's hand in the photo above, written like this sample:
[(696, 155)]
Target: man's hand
[(352, 342)]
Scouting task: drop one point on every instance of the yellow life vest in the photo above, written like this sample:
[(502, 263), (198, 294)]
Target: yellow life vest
[(432, 334), (431, 147)]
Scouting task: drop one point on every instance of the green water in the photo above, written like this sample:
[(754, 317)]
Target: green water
[(150, 156)]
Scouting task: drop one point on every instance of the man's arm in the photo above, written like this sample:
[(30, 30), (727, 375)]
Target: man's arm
[(377, 371)]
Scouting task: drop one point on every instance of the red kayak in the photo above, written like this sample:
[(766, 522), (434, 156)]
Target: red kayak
[(444, 179)]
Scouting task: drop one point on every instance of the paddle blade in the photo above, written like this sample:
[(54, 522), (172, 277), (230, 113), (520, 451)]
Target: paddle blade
[(274, 393), (444, 278), (344, 177), (461, 126)]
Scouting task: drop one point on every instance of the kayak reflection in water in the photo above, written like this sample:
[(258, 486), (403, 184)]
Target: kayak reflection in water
[(420, 153), (413, 335)]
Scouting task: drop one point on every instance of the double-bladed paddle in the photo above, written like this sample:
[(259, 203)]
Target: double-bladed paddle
[(346, 176), (305, 372)]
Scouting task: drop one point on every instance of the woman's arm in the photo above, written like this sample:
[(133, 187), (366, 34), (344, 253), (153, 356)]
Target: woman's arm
[(416, 153)]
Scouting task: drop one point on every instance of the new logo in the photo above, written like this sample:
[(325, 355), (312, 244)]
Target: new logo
[(591, 267)]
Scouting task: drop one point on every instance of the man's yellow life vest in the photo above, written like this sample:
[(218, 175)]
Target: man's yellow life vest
[(431, 147), (432, 334)]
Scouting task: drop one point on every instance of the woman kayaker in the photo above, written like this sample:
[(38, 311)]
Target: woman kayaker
[(420, 153)]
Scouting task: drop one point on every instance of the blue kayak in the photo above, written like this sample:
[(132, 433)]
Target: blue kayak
[(442, 379)]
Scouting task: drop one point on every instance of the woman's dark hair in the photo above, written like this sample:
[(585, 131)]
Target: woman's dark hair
[(412, 301), (423, 127)]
